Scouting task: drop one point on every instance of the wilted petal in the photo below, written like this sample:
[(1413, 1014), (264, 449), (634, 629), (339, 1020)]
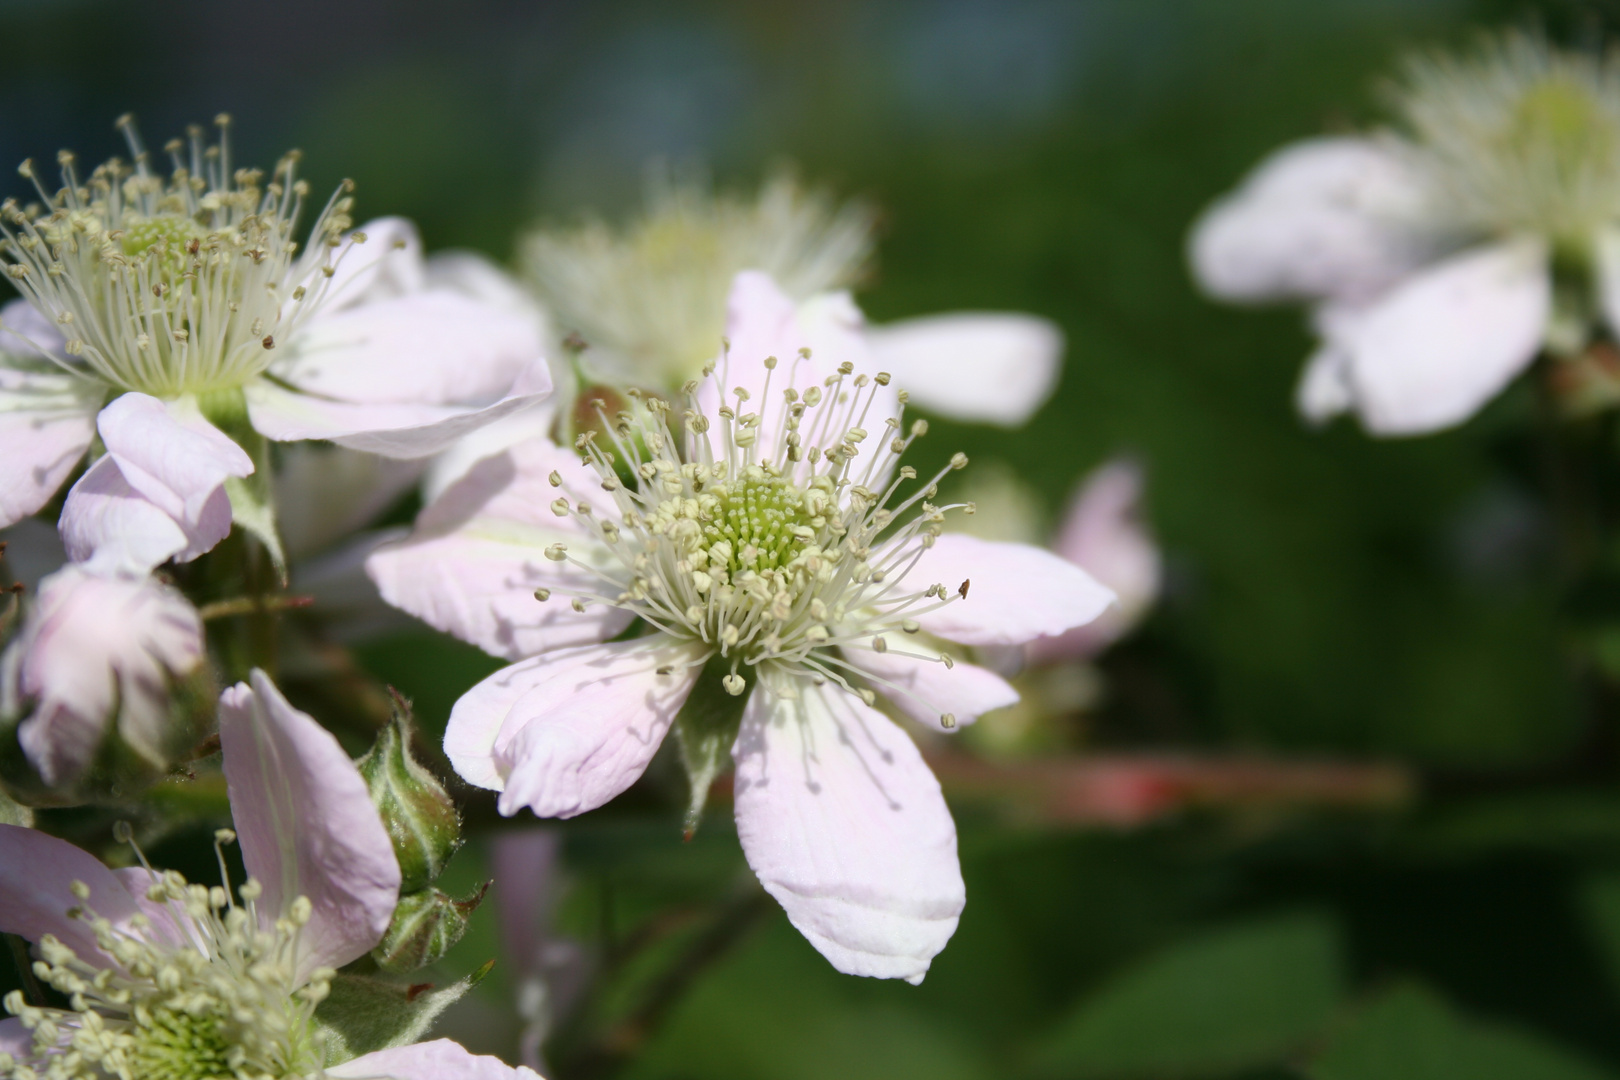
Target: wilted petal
[(440, 1059), (1433, 351), (95, 651), (1104, 535), (566, 732), (1330, 217), (37, 873), (846, 827), (1015, 592), (392, 429), (307, 824), (926, 690), (111, 528), (995, 368), (477, 554)]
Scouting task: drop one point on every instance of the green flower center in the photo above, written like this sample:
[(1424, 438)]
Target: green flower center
[(757, 517), (168, 232), (172, 1045), (1560, 123)]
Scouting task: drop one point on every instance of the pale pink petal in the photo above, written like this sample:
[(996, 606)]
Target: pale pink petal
[(111, 528), (27, 333), (566, 732), (1016, 592), (434, 347), (440, 1059), (994, 368), (456, 461), (926, 690), (94, 651), (169, 922), (37, 873), (392, 429), (1329, 217), (1104, 535), (477, 555), (846, 827), (473, 275), (1324, 389), (351, 609), (15, 1039), (387, 265), (171, 455), (1433, 351), (307, 824), (47, 419)]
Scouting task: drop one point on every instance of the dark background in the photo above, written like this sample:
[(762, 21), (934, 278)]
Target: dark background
[(1329, 595)]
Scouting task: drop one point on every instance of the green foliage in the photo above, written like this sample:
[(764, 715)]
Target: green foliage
[(1242, 996), (366, 1012), (1409, 1033)]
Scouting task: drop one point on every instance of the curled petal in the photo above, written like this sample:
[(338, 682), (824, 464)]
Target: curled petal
[(846, 827), (306, 824), (1015, 592), (995, 368), (111, 528)]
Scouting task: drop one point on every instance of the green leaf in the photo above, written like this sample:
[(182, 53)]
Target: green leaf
[(707, 727), (1412, 1034), (1601, 900), (364, 1013), (1240, 997), (253, 510)]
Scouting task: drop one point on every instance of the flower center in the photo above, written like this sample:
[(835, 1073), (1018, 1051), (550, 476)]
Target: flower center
[(175, 1045), (756, 518), (174, 286)]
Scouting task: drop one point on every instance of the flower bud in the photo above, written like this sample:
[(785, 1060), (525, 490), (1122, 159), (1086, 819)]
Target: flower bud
[(421, 819), (102, 689), (425, 925)]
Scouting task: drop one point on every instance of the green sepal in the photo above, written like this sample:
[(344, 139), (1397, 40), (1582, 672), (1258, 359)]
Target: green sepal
[(366, 1013), (425, 925), (421, 818), (707, 727), (252, 497)]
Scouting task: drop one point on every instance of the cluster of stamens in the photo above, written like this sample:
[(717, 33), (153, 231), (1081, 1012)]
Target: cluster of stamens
[(777, 553), (210, 995), (1519, 136), (177, 285)]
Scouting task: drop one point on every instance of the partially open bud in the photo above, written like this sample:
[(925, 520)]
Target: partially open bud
[(421, 819), (426, 924), (102, 690)]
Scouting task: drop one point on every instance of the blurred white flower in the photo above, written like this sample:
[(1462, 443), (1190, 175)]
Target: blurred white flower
[(96, 658), (1444, 255)]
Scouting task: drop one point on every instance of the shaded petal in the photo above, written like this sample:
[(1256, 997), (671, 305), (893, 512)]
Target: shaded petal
[(1017, 592), (525, 425), (1104, 535), (47, 419), (351, 608), (95, 650), (1324, 389), (566, 732), (428, 348), (926, 689), (15, 1039), (392, 429), (37, 873), (307, 824), (846, 827), (111, 528), (323, 494), (477, 555), (1433, 351), (440, 1059), (1329, 217), (991, 367), (169, 923)]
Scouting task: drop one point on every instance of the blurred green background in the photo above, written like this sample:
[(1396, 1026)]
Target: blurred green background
[(1329, 596)]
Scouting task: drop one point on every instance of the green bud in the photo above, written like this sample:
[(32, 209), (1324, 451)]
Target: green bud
[(425, 925), (421, 819)]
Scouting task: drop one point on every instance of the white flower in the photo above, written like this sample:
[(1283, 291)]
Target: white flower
[(176, 980), (1447, 254), (96, 657), (777, 545), (195, 293), (648, 298)]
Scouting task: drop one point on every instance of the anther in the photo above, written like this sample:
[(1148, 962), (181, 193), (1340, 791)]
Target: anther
[(542, 595), (734, 684)]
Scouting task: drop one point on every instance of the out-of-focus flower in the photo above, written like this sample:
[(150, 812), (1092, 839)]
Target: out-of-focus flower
[(548, 972), (649, 297), (238, 330), (1103, 534), (761, 551), (440, 1059), (171, 979), (1446, 254), (91, 678)]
